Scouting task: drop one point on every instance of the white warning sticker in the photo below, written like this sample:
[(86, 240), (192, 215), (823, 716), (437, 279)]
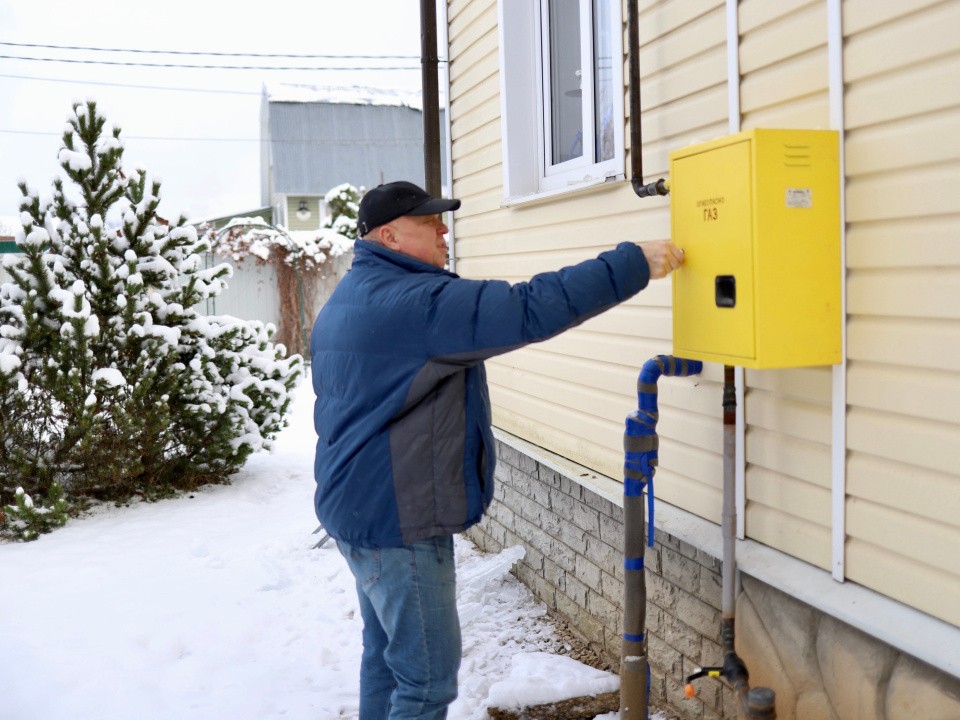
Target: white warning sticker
[(799, 197)]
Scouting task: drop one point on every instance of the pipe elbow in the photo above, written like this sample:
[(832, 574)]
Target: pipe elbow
[(734, 670), (658, 187), (668, 365), (652, 369)]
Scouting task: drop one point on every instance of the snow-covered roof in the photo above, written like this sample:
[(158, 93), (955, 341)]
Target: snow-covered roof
[(333, 95)]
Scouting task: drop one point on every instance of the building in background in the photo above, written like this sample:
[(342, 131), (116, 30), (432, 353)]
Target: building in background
[(8, 230), (316, 138)]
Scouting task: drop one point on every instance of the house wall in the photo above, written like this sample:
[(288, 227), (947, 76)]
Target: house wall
[(821, 668), (569, 393), (7, 247), (313, 205), (892, 498), (903, 258), (784, 82)]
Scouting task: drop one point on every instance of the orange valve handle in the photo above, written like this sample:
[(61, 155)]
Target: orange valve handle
[(689, 690)]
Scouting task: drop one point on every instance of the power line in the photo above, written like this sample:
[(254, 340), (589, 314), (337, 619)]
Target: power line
[(206, 67), (144, 137), (365, 142), (134, 86), (217, 54), (128, 85)]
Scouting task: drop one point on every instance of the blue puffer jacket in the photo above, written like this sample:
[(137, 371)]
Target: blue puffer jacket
[(404, 444)]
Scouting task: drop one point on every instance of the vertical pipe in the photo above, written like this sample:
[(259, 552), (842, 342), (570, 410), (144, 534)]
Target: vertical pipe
[(729, 515), (634, 685), (640, 444), (636, 136), (734, 670), (641, 447), (431, 97), (752, 703), (740, 454), (636, 141)]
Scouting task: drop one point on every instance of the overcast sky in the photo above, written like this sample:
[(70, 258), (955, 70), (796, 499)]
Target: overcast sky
[(195, 129)]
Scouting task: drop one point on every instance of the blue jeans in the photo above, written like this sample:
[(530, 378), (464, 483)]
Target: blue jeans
[(411, 631)]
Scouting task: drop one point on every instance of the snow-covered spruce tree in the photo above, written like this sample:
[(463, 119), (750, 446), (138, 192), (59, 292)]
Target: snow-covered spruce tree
[(343, 202), (112, 384)]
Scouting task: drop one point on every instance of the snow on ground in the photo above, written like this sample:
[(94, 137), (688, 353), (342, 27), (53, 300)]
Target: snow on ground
[(215, 606)]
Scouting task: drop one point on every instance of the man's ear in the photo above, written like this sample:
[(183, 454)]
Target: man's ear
[(388, 238)]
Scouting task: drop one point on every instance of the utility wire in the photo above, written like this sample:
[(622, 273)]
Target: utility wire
[(141, 137), (218, 54), (205, 67), (136, 87), (392, 142), (169, 88)]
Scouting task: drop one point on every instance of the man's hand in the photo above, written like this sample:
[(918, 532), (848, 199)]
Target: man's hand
[(663, 257)]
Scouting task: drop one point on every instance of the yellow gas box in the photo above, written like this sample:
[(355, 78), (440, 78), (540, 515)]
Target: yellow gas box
[(758, 217)]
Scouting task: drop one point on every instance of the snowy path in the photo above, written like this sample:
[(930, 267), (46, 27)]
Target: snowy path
[(214, 606)]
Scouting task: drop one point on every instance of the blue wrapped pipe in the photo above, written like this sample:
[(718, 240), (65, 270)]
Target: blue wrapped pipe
[(641, 445), (640, 441)]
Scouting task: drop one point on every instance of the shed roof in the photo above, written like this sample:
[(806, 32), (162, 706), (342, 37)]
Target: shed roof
[(335, 95), (321, 137)]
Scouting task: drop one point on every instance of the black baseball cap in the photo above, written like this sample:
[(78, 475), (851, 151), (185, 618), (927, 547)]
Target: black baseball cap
[(389, 201)]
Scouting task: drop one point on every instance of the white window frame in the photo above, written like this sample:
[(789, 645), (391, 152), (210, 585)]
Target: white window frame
[(524, 97)]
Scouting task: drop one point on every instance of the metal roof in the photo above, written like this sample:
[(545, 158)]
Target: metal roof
[(314, 146), (352, 95)]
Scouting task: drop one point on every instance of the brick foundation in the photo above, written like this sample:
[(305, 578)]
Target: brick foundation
[(574, 563)]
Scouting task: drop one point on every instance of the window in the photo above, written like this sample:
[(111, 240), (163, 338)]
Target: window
[(561, 94)]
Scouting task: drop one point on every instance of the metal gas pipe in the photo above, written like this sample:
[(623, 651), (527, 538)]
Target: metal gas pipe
[(661, 186), (752, 703), (640, 444)]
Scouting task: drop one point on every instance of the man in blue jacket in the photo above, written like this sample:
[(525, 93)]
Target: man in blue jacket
[(405, 453)]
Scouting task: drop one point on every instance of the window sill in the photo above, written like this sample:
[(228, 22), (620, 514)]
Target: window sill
[(579, 188)]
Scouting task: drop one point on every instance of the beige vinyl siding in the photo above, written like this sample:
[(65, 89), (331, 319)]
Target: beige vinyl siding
[(901, 62), (788, 461), (785, 83), (783, 64), (683, 78), (572, 394), (682, 57), (903, 292), (902, 194)]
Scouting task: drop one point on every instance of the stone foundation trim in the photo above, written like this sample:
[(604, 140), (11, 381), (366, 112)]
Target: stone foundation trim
[(928, 639)]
